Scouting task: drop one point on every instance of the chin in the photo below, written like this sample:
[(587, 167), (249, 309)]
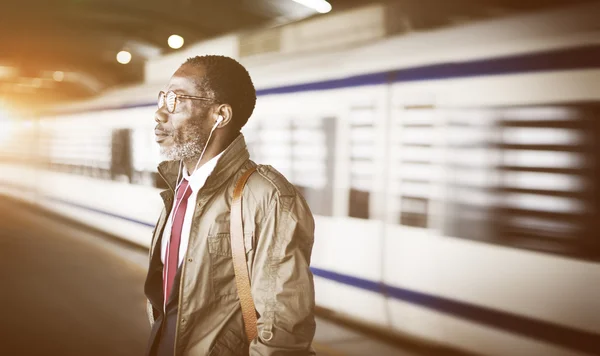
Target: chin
[(167, 152)]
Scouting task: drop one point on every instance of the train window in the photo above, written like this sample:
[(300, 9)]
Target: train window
[(76, 151), (303, 151), (272, 145), (359, 204), (145, 156), (362, 147), (413, 166), (413, 211), (121, 166), (536, 182), (313, 147), (470, 173)]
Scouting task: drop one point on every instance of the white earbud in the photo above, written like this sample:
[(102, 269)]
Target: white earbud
[(219, 120)]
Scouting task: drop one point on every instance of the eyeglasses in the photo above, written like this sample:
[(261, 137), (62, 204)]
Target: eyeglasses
[(170, 98)]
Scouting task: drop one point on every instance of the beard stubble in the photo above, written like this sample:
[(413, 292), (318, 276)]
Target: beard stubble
[(188, 142)]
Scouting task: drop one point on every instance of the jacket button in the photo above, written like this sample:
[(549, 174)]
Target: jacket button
[(190, 260)]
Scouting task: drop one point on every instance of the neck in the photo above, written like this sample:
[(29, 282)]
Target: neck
[(191, 164)]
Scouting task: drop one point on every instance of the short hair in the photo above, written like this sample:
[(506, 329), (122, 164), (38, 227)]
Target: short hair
[(229, 82)]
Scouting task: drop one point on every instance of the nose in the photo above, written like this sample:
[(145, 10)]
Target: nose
[(160, 116)]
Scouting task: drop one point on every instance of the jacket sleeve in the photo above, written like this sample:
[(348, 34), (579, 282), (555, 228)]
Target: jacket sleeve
[(282, 283)]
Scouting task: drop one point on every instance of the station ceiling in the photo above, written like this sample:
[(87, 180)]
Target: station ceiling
[(79, 39)]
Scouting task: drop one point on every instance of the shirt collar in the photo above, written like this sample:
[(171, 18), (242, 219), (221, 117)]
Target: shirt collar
[(199, 177)]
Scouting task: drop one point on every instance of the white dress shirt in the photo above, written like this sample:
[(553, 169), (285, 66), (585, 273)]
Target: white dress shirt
[(196, 181)]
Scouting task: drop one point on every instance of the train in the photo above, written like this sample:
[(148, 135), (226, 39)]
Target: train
[(453, 173)]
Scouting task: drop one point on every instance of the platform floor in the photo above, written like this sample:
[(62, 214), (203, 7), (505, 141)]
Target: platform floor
[(66, 290)]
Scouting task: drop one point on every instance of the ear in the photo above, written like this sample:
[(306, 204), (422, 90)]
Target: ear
[(226, 112)]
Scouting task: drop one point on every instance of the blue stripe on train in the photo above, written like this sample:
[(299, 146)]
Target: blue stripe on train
[(565, 59), (552, 333), (538, 329), (584, 57)]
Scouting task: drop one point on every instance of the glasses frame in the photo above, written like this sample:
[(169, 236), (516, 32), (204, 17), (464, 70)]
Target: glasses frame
[(178, 96)]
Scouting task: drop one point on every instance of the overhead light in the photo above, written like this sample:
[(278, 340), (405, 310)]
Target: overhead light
[(123, 57), (58, 76), (320, 6), (175, 41)]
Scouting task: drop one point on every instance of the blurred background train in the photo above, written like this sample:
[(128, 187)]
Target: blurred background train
[(454, 173)]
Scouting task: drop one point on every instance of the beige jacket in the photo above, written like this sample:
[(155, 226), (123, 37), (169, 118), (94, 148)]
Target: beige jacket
[(278, 233)]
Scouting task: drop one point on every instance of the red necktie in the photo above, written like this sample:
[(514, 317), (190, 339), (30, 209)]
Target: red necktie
[(172, 258)]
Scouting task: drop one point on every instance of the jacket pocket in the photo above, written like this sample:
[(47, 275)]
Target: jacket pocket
[(229, 344), (221, 262)]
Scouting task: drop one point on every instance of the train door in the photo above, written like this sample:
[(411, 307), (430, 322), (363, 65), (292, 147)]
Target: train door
[(412, 214), (357, 228)]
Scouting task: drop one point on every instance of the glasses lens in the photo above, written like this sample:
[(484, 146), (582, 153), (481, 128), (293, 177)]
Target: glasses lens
[(161, 99), (171, 97)]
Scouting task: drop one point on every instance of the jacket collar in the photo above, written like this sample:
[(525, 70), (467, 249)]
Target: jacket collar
[(230, 162)]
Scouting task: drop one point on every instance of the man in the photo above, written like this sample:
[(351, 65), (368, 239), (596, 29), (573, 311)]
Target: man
[(193, 303)]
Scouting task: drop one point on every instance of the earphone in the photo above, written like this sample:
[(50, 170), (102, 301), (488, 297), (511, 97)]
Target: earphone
[(219, 120)]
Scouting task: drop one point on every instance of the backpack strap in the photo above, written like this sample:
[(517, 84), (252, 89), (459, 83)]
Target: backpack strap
[(238, 253)]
